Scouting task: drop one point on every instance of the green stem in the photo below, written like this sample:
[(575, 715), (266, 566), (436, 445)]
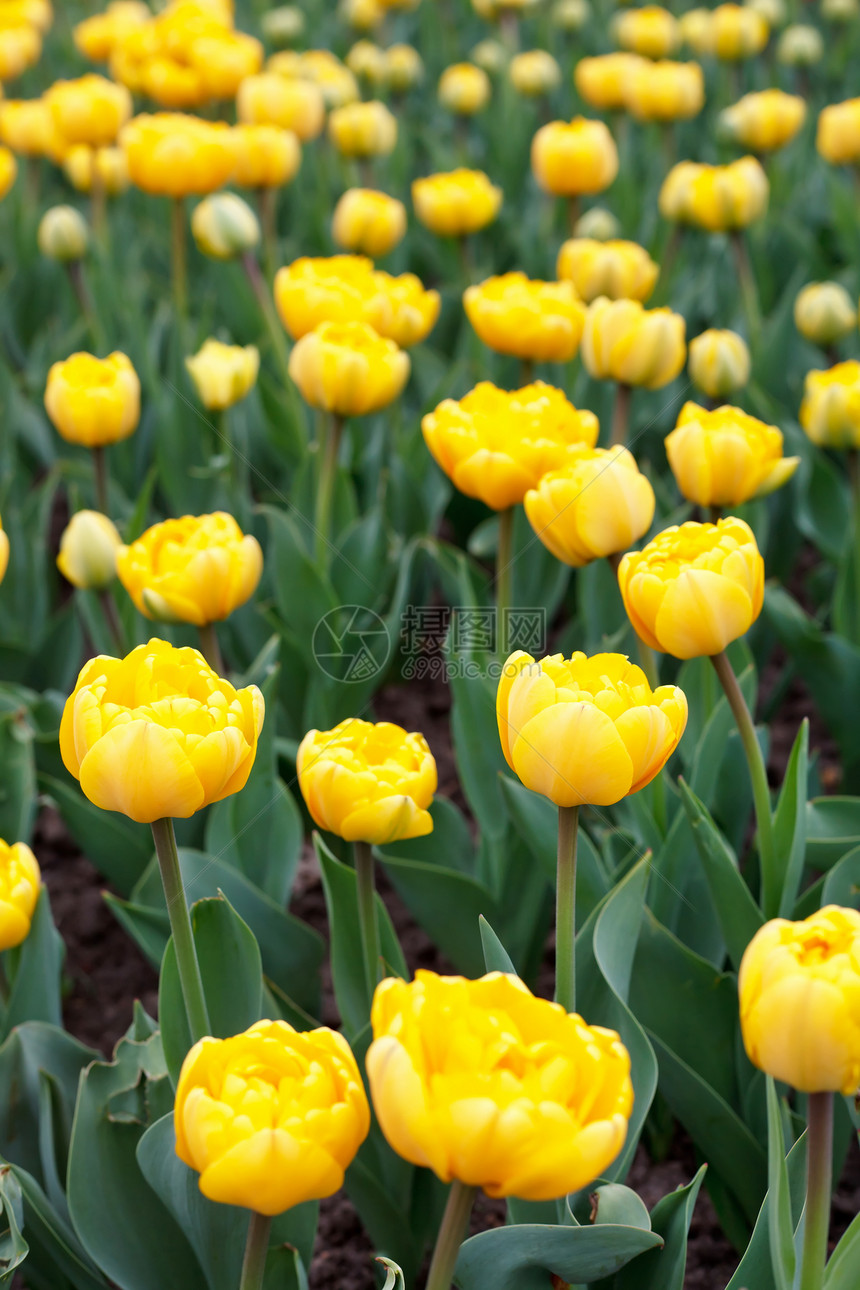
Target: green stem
[(749, 290), (565, 909), (527, 371), (620, 415), (451, 1232), (190, 979), (210, 647), (367, 921), (572, 213), (819, 1169), (75, 270), (504, 569), (100, 474), (325, 489), (256, 1250), (112, 619), (268, 207), (770, 892), (179, 261), (267, 308)]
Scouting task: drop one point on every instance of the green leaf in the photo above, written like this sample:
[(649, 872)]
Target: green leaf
[(615, 1203), (35, 993), (13, 1248), (149, 928), (18, 778), (780, 1226), (480, 763), (789, 823), (119, 848), (54, 1249), (495, 955), (447, 905), (232, 975), (394, 1279), (284, 1270), (842, 884), (843, 1267), (526, 1256), (755, 1271), (450, 842), (664, 1269), (832, 829)]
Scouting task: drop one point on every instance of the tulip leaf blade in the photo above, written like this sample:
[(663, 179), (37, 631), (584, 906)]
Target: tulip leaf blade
[(663, 1269), (13, 1247), (779, 1224), (789, 823), (756, 1268), (843, 1268), (54, 1249), (117, 847), (614, 1203), (496, 957), (35, 993), (525, 1256), (448, 905)]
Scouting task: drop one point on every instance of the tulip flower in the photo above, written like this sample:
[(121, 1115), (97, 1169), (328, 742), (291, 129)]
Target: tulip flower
[(291, 104), (464, 89), (347, 288), (363, 130), (718, 362), (96, 37), (224, 226), (102, 172), (824, 313), (534, 73), (8, 171), (62, 234), (602, 81), (830, 411), (368, 223), (735, 32), (535, 321), (665, 91), (89, 110), (764, 121), (20, 48), (88, 551), (223, 374), (4, 552), (651, 32), (725, 457), (801, 45), (838, 135), (457, 202), (572, 158), (27, 127), (20, 884), (367, 61), (616, 269), (716, 198)]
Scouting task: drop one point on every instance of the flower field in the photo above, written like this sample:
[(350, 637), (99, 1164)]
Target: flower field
[(429, 645)]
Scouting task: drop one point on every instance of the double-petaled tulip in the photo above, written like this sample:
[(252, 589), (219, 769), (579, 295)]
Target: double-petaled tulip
[(93, 401), (457, 202), (368, 222), (368, 783), (272, 1117), (8, 171), (535, 321), (464, 89), (363, 129), (616, 269), (695, 588), (291, 103), (736, 32), (158, 733), (174, 155), (594, 505), (799, 986), (87, 168), (20, 48), (824, 312), (534, 72), (27, 127), (483, 1082), (89, 110), (764, 121), (830, 410), (838, 133), (97, 36), (88, 551), (496, 446), (623, 342), (197, 569), (20, 883), (651, 32), (586, 730), (665, 91), (223, 374), (724, 457), (348, 368), (224, 226), (718, 362), (267, 156), (347, 288), (716, 198), (603, 80), (569, 158)]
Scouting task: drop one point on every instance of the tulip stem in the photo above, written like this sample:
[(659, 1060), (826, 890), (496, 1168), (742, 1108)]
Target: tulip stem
[(819, 1172), (504, 567), (770, 886), (620, 415), (100, 473), (112, 619), (210, 647), (451, 1232), (75, 270), (270, 317), (565, 909), (190, 979), (179, 252), (256, 1250), (268, 207), (325, 489), (367, 921), (572, 213), (746, 278)]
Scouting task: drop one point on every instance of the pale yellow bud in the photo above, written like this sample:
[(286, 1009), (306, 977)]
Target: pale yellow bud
[(88, 548), (63, 234), (824, 312), (224, 226)]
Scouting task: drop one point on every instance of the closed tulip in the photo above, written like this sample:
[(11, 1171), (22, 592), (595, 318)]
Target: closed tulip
[(403, 310), (27, 127), (289, 103), (651, 32), (824, 312), (838, 134), (366, 60), (363, 15), (665, 91), (197, 569), (8, 171), (764, 121), (368, 222), (174, 155), (266, 156), (596, 504), (457, 202), (105, 168), (830, 411), (616, 269), (535, 321), (363, 129), (20, 884), (724, 457), (20, 48), (491, 55), (333, 78), (799, 986), (89, 110), (598, 224), (224, 226), (695, 588), (158, 733), (174, 86), (534, 72), (224, 61), (464, 89), (272, 1117), (368, 782), (283, 25), (718, 362), (93, 401), (403, 67), (575, 157), (603, 80), (623, 342), (541, 1121), (62, 234), (570, 15), (223, 374), (348, 368), (737, 32), (715, 198), (585, 730), (496, 446), (697, 31), (88, 551)]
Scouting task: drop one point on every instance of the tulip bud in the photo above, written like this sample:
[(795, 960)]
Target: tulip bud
[(88, 550), (719, 362), (830, 410), (363, 129), (367, 60), (800, 46), (619, 270), (570, 15), (773, 11), (63, 234), (368, 223), (284, 25), (363, 15), (574, 157), (403, 67), (651, 32), (224, 226), (624, 342), (838, 135), (456, 202), (491, 55), (597, 223), (20, 883), (839, 10), (824, 312), (464, 89), (223, 374), (534, 72)]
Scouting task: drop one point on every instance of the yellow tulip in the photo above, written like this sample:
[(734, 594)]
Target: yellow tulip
[(283, 25), (596, 504), (266, 156), (799, 987), (4, 552), (27, 127), (20, 883), (737, 32), (8, 171), (402, 310), (539, 321), (464, 89), (534, 72), (197, 569), (800, 46), (368, 783), (575, 157), (368, 222), (89, 110), (272, 1117), (696, 30), (93, 401), (491, 55), (366, 59), (570, 15), (173, 155), (483, 1082), (348, 368), (363, 129), (224, 61), (88, 551), (363, 15), (824, 312), (718, 362), (651, 32), (97, 36), (695, 588), (292, 104), (665, 91), (599, 225), (20, 48), (36, 13), (457, 202), (602, 81), (616, 269), (106, 167), (496, 446), (158, 733), (764, 121), (62, 234), (347, 288), (224, 226), (172, 85), (334, 80), (403, 67), (716, 198), (838, 135), (223, 374), (623, 342), (724, 457), (830, 411)]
